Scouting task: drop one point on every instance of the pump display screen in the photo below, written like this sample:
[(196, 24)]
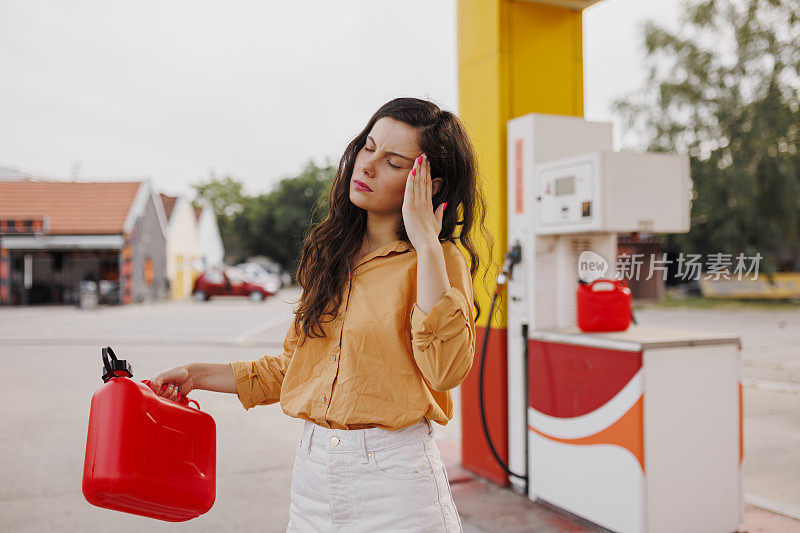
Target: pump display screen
[(565, 189), (565, 185)]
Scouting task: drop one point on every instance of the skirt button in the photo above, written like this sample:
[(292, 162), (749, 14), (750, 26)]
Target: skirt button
[(334, 441)]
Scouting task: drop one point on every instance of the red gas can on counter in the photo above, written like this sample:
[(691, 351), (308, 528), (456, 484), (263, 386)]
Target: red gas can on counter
[(604, 305), (145, 454)]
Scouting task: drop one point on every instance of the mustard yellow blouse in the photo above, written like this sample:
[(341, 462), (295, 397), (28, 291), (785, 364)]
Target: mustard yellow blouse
[(383, 362)]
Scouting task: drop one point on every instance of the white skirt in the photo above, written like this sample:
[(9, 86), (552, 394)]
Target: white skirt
[(370, 480)]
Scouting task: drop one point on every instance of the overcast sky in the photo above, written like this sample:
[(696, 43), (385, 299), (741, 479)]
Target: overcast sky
[(170, 90)]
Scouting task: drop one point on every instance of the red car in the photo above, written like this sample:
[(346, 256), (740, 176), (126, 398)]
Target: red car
[(228, 281)]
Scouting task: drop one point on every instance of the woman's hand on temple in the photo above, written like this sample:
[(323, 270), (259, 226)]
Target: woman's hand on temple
[(422, 223), (173, 384)]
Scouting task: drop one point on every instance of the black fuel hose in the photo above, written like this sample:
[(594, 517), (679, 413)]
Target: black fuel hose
[(513, 257)]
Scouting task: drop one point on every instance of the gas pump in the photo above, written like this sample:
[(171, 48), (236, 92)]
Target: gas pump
[(636, 430)]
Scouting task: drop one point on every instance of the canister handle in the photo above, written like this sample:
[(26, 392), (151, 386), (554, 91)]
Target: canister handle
[(601, 285), (184, 401), (190, 400), (611, 283)]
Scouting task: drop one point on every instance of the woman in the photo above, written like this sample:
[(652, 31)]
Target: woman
[(384, 329)]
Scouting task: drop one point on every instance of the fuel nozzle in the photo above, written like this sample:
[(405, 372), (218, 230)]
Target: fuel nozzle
[(513, 256)]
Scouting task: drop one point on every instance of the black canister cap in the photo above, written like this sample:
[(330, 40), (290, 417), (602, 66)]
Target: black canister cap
[(114, 365)]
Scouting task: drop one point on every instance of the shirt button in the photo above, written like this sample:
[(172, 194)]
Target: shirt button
[(334, 441), (322, 400)]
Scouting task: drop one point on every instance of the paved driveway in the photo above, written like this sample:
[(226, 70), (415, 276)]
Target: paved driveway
[(50, 365)]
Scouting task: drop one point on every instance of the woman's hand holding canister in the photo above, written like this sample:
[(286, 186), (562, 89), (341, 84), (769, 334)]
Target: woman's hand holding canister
[(173, 384), (177, 382)]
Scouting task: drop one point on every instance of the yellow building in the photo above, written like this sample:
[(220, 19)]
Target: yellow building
[(183, 245)]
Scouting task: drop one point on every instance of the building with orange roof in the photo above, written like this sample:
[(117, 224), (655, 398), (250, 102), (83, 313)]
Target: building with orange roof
[(54, 235)]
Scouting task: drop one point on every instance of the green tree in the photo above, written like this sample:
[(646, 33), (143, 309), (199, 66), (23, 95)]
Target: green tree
[(224, 194), (278, 221), (274, 223), (723, 88), (226, 197)]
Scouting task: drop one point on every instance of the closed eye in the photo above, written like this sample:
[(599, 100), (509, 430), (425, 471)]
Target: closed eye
[(387, 161)]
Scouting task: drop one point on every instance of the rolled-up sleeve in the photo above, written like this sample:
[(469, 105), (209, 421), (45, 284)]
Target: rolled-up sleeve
[(259, 382), (443, 340)]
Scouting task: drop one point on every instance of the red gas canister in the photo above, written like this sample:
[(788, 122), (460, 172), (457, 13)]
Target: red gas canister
[(604, 305), (145, 454)]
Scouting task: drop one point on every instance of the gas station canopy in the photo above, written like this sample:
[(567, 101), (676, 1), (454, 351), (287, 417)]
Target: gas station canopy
[(572, 4)]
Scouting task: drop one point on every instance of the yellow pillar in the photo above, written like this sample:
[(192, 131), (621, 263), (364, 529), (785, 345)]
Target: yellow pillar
[(514, 58)]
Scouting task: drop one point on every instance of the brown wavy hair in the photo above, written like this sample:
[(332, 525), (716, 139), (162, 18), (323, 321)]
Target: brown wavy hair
[(330, 245)]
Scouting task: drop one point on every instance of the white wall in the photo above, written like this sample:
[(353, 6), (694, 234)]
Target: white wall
[(183, 248), (210, 240)]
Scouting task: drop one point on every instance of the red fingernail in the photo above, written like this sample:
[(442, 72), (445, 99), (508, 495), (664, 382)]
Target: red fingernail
[(164, 386), (445, 206), (419, 160), (413, 171)]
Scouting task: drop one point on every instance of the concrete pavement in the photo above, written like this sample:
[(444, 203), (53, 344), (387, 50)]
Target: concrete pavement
[(50, 366)]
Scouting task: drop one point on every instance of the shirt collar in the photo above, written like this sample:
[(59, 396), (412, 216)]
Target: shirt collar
[(394, 246)]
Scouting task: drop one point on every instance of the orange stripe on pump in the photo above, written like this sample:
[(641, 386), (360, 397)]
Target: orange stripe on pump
[(741, 425), (625, 432)]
